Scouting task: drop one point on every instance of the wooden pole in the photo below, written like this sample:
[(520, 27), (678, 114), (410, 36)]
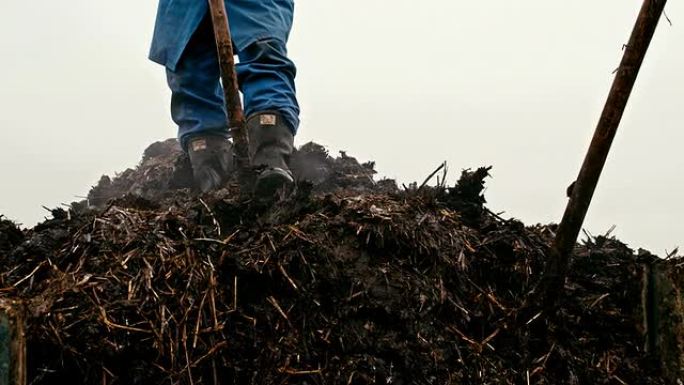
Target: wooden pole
[(583, 189), (231, 92), (663, 311), (12, 344)]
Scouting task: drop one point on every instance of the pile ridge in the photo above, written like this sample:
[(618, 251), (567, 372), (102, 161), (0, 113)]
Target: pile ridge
[(348, 281)]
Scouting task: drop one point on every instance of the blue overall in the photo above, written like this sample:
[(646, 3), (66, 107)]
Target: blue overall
[(184, 43)]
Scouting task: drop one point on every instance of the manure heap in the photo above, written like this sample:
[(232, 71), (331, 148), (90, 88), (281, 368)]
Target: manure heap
[(348, 281)]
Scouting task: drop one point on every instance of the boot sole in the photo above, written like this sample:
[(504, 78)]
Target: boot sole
[(272, 182)]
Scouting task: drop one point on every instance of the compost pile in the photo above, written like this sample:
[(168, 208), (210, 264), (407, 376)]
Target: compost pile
[(347, 281)]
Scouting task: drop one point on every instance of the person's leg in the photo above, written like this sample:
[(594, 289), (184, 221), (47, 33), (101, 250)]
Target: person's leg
[(267, 81), (197, 107), (197, 98)]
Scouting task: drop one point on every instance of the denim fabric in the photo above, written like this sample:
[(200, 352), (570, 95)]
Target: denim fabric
[(250, 21), (266, 78), (197, 104), (265, 75)]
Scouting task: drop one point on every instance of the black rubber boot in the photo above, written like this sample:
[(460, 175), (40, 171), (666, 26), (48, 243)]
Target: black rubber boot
[(211, 157), (270, 146)]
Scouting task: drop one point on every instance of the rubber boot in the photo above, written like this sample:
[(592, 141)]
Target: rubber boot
[(270, 146), (211, 157)]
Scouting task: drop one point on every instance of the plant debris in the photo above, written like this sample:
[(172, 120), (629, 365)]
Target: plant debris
[(349, 281)]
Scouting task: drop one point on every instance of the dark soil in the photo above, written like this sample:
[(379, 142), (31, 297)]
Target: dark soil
[(348, 281), (10, 235)]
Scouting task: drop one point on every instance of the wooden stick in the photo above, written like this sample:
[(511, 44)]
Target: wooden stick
[(583, 189), (231, 92), (12, 343)]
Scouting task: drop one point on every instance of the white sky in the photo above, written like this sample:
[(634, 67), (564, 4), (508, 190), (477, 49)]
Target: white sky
[(518, 85)]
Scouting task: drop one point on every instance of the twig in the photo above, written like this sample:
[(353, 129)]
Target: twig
[(235, 292), (187, 355), (599, 299), (490, 337), (282, 270), (111, 324), (275, 304), (30, 275), (223, 242), (294, 372), (212, 298), (444, 176), (443, 165), (211, 352), (213, 218), (465, 338), (199, 320)]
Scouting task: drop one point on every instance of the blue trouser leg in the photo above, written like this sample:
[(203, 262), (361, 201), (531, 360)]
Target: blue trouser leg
[(197, 104), (266, 77), (265, 74)]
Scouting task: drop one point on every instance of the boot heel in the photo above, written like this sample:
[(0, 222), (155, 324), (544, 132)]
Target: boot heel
[(271, 182)]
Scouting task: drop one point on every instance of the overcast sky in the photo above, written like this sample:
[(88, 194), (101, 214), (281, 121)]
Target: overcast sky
[(518, 85)]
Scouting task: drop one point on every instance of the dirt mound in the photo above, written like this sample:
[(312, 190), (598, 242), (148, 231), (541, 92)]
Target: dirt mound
[(165, 170), (10, 235), (350, 281)]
